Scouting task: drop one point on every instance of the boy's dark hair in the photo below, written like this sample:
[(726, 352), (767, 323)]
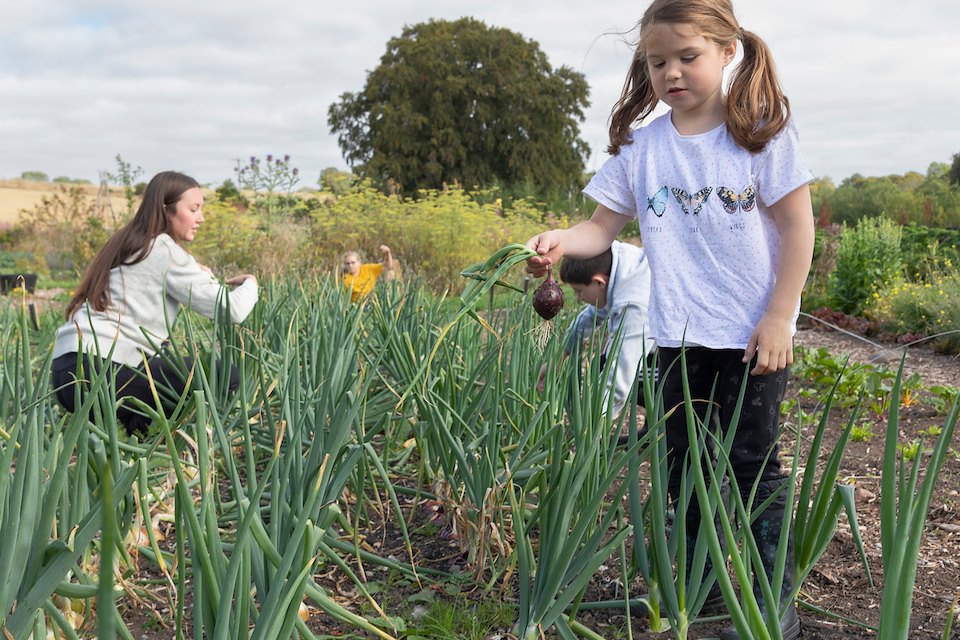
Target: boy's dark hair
[(577, 271)]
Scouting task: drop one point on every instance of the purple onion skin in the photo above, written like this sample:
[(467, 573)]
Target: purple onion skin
[(548, 298)]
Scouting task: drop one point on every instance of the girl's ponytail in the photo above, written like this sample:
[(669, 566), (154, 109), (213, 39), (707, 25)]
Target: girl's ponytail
[(756, 109), (637, 101)]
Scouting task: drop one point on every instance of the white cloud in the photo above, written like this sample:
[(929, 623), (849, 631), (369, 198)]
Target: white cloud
[(194, 86)]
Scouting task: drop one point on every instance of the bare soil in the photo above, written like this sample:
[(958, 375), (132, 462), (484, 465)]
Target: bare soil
[(839, 583)]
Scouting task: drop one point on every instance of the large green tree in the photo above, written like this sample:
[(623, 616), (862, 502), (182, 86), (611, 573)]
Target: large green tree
[(464, 102), (955, 170)]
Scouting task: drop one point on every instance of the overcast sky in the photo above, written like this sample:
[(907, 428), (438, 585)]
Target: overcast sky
[(193, 86)]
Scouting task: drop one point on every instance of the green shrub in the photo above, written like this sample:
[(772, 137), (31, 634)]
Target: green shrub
[(337, 182), (228, 193), (69, 180), (63, 231), (925, 308), (925, 249), (10, 259), (434, 236), (868, 260), (230, 240), (34, 176)]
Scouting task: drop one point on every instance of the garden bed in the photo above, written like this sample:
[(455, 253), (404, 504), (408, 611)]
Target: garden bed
[(839, 583)]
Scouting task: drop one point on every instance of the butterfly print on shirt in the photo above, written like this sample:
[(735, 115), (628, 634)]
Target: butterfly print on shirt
[(658, 203), (745, 201), (691, 204)]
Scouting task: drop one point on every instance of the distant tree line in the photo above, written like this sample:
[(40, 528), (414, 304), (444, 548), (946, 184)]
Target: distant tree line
[(458, 103), (40, 176), (931, 200)]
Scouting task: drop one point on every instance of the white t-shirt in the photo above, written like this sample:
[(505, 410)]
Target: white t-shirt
[(144, 300), (713, 247)]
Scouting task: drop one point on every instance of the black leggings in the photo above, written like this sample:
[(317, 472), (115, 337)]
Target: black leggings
[(130, 381), (755, 451)]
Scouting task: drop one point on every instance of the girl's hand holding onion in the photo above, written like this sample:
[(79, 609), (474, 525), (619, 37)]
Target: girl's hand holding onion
[(549, 247)]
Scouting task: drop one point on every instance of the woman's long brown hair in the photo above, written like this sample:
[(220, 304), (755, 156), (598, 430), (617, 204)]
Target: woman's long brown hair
[(756, 109), (133, 241)]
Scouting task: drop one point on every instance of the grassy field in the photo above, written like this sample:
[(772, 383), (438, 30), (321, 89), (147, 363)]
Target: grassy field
[(17, 195)]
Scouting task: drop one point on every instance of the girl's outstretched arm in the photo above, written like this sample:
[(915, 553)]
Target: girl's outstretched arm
[(585, 240), (772, 339)]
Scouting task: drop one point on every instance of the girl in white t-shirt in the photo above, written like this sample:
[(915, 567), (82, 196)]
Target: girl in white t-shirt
[(723, 202)]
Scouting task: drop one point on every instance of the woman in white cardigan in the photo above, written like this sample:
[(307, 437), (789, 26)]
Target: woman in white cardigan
[(134, 287)]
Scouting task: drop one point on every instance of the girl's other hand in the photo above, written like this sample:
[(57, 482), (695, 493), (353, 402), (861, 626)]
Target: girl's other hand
[(205, 269), (772, 343), (549, 247)]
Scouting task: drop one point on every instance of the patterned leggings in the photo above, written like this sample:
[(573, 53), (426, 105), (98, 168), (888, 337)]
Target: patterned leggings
[(755, 451)]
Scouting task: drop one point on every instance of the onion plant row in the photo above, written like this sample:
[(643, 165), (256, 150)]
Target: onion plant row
[(350, 418)]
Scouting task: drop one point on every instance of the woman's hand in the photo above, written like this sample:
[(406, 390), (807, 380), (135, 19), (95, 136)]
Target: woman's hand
[(236, 281), (387, 259)]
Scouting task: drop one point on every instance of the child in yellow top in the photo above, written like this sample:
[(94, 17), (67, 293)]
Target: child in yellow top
[(360, 278)]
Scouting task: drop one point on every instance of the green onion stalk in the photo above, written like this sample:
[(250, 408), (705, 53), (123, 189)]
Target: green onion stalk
[(51, 510), (904, 500), (815, 523), (660, 542), (578, 527)]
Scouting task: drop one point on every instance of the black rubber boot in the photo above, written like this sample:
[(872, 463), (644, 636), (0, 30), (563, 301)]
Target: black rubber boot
[(766, 531)]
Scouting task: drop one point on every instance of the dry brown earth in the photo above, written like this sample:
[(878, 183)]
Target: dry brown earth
[(19, 195)]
